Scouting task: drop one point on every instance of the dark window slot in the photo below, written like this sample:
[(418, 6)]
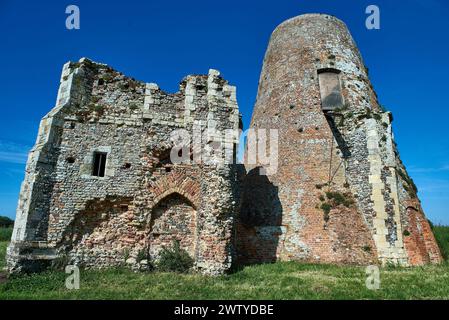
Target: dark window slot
[(99, 164)]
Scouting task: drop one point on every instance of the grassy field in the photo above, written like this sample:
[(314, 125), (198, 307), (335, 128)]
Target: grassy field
[(5, 234), (287, 280), (442, 236), (3, 245)]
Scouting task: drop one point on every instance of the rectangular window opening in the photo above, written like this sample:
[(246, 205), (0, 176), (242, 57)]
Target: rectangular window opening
[(99, 164), (330, 89)]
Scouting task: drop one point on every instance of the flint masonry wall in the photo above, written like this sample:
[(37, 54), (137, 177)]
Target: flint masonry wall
[(144, 201), (340, 193), (347, 153)]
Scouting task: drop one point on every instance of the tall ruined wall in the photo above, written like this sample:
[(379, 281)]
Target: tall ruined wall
[(339, 194), (143, 201), (340, 191)]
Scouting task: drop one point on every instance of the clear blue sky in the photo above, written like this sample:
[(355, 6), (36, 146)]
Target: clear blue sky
[(162, 41)]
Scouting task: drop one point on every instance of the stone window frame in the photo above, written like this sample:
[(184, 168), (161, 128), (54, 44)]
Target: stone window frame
[(88, 163), (99, 164), (338, 73)]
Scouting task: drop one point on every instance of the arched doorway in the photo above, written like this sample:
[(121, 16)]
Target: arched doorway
[(173, 218)]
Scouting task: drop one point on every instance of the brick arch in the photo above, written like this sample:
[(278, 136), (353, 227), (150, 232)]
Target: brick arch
[(175, 183), (170, 193), (173, 218)]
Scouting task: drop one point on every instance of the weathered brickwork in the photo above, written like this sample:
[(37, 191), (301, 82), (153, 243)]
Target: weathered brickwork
[(142, 201), (419, 240), (101, 188), (340, 192)]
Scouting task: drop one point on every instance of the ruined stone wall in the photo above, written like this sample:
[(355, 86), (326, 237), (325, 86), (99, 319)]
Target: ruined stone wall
[(144, 201), (340, 193), (337, 196)]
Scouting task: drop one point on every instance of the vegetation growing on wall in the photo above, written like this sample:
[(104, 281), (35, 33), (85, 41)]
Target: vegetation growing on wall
[(332, 200), (174, 259), (409, 185)]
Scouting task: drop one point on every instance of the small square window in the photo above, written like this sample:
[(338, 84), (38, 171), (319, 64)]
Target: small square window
[(99, 164)]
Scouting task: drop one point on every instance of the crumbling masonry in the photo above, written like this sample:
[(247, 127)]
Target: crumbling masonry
[(138, 200), (100, 188), (341, 193)]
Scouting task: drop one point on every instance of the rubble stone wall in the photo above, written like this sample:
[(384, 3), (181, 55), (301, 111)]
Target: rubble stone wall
[(144, 201), (339, 193)]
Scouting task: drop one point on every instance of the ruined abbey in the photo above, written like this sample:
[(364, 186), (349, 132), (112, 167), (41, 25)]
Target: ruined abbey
[(101, 186)]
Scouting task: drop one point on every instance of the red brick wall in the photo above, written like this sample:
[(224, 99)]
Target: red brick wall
[(173, 219), (420, 242)]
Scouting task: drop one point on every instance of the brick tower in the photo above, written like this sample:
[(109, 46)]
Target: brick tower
[(340, 193)]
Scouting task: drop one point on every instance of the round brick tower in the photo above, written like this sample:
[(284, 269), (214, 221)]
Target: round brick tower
[(326, 200), (299, 48)]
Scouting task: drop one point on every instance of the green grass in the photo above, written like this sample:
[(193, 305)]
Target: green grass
[(283, 280), (286, 280), (442, 236), (5, 234)]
